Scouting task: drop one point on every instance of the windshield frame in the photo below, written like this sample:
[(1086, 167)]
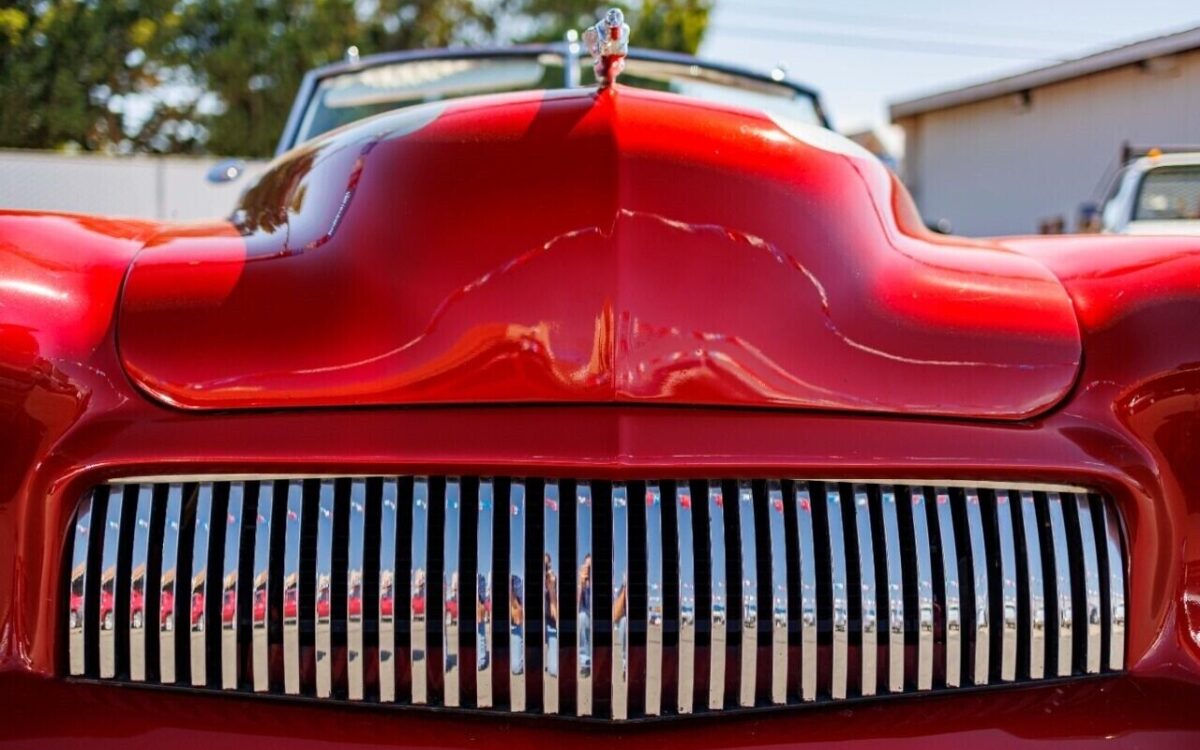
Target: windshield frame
[(568, 51)]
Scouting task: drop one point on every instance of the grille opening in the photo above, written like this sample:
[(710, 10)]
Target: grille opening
[(450, 546)]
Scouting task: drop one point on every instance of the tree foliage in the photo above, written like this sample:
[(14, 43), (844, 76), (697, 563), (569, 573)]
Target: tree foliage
[(219, 75)]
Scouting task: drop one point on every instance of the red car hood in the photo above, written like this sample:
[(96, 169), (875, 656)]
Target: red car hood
[(588, 247)]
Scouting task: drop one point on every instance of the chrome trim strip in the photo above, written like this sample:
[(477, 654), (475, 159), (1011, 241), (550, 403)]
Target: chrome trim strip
[(1062, 575), (168, 595), (841, 613), (1037, 586), (1008, 587), (584, 608), (687, 598), (983, 617), (483, 595), (953, 604), (108, 583), (808, 593), (716, 547), (517, 627), (749, 568), (229, 587), (355, 567), (620, 603), (291, 587), (199, 584), (323, 594), (451, 592), (869, 600), (1091, 581), (260, 601), (138, 633), (389, 508), (77, 593), (925, 617), (895, 589), (654, 599), (1116, 587), (419, 628), (779, 594), (550, 602), (981, 484)]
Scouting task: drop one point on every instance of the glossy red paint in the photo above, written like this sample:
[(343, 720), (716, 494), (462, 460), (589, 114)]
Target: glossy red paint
[(642, 248), (70, 418)]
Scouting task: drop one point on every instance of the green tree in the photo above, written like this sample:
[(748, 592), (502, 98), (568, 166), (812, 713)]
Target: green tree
[(220, 75)]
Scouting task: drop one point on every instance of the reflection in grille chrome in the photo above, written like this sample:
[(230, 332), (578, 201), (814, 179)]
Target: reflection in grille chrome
[(987, 573)]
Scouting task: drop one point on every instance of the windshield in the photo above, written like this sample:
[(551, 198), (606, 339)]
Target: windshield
[(1169, 194), (343, 98)]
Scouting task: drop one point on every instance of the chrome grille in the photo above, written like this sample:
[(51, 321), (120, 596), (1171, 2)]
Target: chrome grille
[(680, 596)]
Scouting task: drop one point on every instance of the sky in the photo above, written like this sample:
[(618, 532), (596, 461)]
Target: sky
[(863, 54)]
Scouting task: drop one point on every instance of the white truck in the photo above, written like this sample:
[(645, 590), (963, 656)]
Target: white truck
[(1157, 193)]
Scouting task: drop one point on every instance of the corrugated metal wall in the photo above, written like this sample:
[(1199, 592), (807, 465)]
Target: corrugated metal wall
[(995, 167), (136, 186)]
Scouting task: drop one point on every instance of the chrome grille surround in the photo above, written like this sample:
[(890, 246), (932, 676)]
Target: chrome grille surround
[(296, 587)]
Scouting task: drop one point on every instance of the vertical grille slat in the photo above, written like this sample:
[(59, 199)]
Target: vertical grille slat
[(654, 600), (284, 592), (808, 593), (1064, 609), (895, 591), (779, 594), (260, 602), (869, 682)]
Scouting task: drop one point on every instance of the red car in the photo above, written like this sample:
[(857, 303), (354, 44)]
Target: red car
[(969, 467)]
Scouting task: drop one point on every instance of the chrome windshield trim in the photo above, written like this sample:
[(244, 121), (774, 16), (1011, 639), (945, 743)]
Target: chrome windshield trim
[(584, 608), (925, 613), (323, 589), (869, 599), (716, 556), (808, 593), (108, 583), (229, 587), (389, 510), (355, 590), (484, 548), (1091, 585), (1008, 587), (654, 599), (620, 602), (841, 612), (1036, 623), (199, 584), (451, 592), (687, 599), (517, 589), (895, 589), (138, 568), (779, 593), (982, 638), (260, 601), (1116, 588), (1062, 576), (78, 613), (550, 602), (291, 587), (749, 566), (419, 589)]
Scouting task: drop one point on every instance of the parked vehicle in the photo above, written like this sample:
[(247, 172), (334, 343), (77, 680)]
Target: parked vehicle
[(481, 274), (1156, 194)]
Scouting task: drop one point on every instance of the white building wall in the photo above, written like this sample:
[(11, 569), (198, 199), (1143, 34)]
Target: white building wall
[(992, 167), (135, 186)]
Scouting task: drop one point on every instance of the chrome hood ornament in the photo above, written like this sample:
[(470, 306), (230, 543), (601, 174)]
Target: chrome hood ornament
[(608, 41)]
